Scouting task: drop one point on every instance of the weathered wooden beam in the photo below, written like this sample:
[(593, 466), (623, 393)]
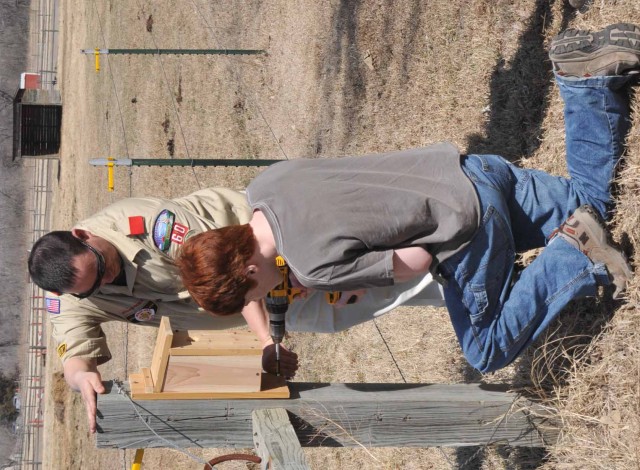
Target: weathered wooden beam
[(335, 415), (276, 442)]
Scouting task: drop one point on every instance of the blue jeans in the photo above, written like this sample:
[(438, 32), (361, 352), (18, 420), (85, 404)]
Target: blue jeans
[(494, 314)]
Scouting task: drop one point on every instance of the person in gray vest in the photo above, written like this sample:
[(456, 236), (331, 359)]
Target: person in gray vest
[(356, 223)]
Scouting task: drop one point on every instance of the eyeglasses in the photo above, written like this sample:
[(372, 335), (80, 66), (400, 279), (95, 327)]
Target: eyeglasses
[(99, 274)]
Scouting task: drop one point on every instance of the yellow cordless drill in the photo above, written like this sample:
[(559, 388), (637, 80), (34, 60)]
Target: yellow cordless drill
[(277, 302)]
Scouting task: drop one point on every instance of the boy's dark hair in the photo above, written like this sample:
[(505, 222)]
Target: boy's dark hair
[(50, 261)]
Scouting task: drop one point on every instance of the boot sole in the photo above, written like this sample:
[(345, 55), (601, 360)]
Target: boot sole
[(575, 45)]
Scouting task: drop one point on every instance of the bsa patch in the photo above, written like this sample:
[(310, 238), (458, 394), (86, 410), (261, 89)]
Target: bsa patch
[(162, 229), (179, 233), (145, 313), (52, 305), (62, 349)]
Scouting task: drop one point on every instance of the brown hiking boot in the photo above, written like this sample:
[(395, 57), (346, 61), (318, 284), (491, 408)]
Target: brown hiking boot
[(614, 50), (585, 230)]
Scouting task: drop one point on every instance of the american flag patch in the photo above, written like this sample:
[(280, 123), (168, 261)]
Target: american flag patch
[(53, 305)]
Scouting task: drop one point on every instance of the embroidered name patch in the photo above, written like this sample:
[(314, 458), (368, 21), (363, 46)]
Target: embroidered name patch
[(162, 229), (52, 305), (143, 314)]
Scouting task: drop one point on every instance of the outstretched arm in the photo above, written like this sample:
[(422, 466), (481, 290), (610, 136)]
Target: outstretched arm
[(82, 375)]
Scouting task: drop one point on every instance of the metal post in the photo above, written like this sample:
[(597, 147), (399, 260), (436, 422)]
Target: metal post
[(183, 162), (175, 51), (111, 162)]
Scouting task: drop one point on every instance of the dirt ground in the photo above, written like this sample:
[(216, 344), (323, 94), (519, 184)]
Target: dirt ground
[(339, 78)]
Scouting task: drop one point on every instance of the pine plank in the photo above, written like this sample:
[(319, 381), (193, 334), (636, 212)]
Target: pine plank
[(272, 388), (161, 354), (213, 374)]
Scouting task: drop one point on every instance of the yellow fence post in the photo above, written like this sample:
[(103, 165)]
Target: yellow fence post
[(110, 173), (137, 460)]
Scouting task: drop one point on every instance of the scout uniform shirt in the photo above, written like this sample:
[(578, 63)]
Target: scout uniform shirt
[(147, 232)]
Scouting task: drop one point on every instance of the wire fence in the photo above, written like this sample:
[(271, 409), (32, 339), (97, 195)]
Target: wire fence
[(44, 36), (43, 41), (31, 419), (43, 47)]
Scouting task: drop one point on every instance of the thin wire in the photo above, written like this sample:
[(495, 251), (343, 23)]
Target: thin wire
[(255, 103), (238, 78), (173, 103), (122, 391), (104, 42), (125, 341), (115, 91), (446, 457), (389, 350)]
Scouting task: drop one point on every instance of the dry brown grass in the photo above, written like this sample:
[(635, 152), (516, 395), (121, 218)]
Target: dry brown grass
[(598, 397), (349, 78)]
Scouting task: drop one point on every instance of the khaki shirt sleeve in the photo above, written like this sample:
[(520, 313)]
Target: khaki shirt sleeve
[(223, 206), (77, 331)]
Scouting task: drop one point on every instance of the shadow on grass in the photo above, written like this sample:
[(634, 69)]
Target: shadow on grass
[(519, 93), (344, 63), (519, 97)]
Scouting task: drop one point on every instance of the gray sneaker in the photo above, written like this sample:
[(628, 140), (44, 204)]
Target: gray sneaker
[(585, 230), (614, 50)]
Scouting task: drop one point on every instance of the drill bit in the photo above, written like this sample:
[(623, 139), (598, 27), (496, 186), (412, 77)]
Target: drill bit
[(278, 359)]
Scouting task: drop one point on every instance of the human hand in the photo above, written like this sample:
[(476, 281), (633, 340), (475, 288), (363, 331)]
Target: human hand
[(350, 297), (288, 361), (89, 384)]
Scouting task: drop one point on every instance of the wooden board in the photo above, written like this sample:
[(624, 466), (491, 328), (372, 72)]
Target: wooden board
[(272, 387), (215, 343), (276, 442), (329, 415), (161, 354), (213, 374), (148, 380)]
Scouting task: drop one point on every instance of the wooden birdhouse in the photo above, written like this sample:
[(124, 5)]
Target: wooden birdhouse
[(197, 364)]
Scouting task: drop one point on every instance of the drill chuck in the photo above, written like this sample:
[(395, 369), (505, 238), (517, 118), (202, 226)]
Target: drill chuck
[(277, 308)]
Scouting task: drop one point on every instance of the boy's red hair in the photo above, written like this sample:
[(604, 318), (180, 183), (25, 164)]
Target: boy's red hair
[(213, 266)]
